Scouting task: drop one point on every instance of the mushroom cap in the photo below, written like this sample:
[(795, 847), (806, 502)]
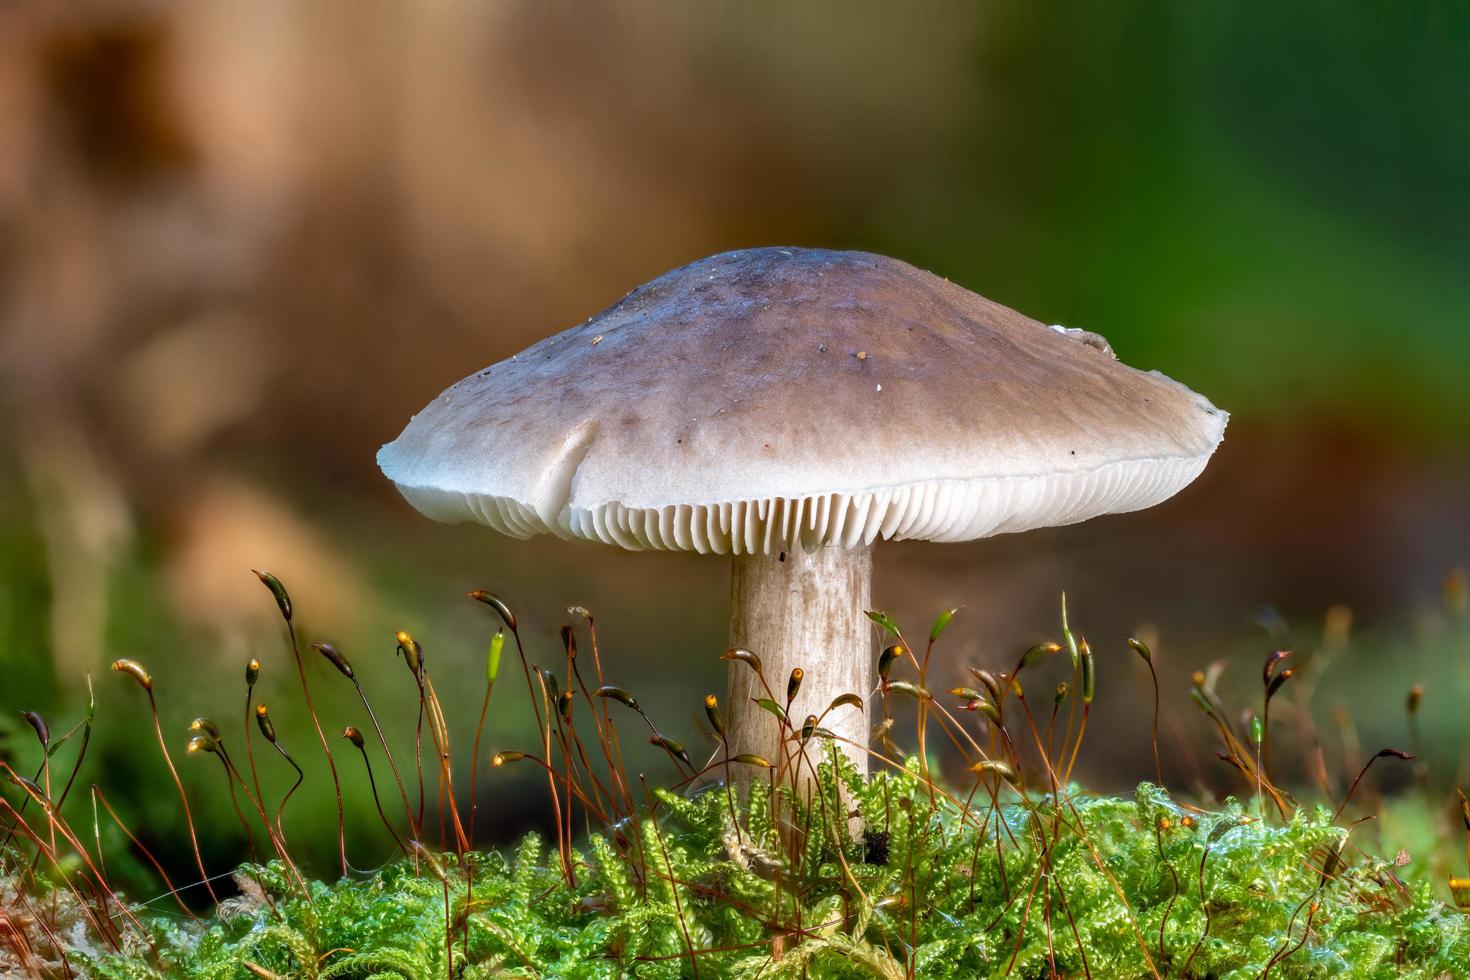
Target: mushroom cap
[(760, 399)]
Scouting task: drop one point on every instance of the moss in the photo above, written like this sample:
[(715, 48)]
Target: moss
[(1085, 884), (891, 875)]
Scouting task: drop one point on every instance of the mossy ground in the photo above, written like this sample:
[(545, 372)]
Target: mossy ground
[(1007, 870), (1070, 884)]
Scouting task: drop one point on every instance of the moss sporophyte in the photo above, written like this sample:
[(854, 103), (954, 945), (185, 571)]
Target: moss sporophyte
[(1004, 868)]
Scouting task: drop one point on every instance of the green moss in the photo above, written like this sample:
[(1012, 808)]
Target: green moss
[(1109, 886)]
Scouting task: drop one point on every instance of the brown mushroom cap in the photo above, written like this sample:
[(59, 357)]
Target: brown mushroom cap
[(758, 399)]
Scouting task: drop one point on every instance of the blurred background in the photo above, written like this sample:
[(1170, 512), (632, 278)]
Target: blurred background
[(241, 243)]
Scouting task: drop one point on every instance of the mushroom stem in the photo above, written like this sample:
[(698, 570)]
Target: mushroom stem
[(801, 609)]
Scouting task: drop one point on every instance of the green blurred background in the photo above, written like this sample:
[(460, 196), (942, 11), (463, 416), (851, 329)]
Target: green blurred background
[(241, 243)]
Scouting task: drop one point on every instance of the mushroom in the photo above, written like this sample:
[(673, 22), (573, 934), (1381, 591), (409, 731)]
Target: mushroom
[(789, 407)]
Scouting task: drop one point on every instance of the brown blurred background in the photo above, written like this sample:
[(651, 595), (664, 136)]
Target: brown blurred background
[(240, 243)]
